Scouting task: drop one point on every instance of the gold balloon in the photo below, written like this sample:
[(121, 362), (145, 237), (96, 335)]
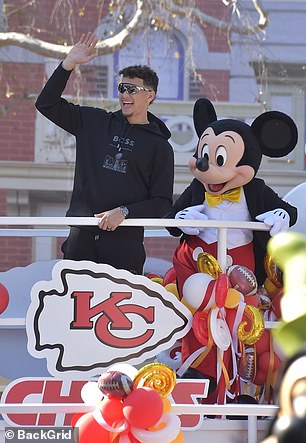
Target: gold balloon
[(273, 271), (157, 376), (207, 263), (251, 336)]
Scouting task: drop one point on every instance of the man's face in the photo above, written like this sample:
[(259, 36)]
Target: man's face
[(134, 106)]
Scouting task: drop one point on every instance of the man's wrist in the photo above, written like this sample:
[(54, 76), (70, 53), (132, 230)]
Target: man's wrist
[(124, 211)]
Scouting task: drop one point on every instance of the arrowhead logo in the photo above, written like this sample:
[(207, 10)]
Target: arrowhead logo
[(91, 316)]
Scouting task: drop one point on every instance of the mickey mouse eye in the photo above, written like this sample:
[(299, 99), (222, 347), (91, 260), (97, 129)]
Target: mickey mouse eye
[(205, 151), (221, 156)]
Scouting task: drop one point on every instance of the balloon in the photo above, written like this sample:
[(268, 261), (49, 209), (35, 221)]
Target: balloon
[(200, 326), (233, 298), (260, 377), (125, 368), (164, 435), (198, 291), (90, 393), (90, 430), (263, 344), (75, 418), (167, 405), (222, 285), (254, 333), (4, 298), (157, 280), (208, 264), (270, 287), (111, 410), (157, 376), (263, 362), (171, 287), (169, 277), (143, 407), (179, 438), (273, 272), (276, 304), (219, 331)]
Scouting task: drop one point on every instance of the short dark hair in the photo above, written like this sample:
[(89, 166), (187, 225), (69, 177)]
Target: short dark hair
[(149, 77)]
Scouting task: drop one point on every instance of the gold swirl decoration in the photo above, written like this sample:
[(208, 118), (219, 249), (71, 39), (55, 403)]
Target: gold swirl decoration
[(253, 334), (208, 264), (157, 376)]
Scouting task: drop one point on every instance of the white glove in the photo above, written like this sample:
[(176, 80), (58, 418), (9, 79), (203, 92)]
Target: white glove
[(278, 219), (191, 213)]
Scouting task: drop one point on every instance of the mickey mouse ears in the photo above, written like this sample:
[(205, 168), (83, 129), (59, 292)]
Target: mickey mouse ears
[(276, 133)]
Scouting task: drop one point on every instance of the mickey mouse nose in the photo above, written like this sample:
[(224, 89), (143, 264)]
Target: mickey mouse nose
[(202, 164)]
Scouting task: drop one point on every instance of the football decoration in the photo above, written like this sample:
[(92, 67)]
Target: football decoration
[(115, 384), (242, 279)]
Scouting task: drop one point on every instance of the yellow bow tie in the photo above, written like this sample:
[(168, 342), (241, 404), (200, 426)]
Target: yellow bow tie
[(213, 200)]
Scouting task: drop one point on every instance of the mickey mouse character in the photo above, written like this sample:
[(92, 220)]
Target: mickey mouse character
[(224, 187)]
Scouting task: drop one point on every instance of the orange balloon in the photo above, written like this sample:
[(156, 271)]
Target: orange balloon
[(233, 298), (179, 438), (167, 405)]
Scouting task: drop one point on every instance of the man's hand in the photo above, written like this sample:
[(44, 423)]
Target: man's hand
[(110, 220), (278, 220), (191, 213), (82, 52)]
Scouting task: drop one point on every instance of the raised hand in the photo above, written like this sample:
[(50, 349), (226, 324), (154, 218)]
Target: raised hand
[(82, 52)]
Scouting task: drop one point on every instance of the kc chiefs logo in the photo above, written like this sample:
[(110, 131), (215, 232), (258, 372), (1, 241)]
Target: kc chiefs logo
[(90, 316)]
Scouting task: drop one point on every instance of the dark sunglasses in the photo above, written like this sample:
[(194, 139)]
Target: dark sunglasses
[(131, 89)]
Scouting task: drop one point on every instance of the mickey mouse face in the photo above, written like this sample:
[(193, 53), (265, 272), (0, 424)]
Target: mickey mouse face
[(229, 151), (217, 164)]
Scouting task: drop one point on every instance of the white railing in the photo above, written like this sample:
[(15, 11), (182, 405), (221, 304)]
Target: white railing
[(251, 411)]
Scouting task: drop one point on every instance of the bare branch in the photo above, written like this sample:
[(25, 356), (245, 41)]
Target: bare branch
[(54, 50)]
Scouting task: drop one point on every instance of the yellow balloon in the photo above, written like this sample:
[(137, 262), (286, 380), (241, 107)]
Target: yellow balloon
[(157, 280), (157, 376), (273, 271), (171, 287), (233, 298), (208, 263), (270, 287), (257, 327)]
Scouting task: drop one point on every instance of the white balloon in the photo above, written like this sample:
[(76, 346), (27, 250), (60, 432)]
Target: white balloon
[(90, 393), (125, 368), (194, 290)]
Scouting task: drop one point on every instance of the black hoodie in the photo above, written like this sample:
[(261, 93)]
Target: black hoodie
[(117, 163)]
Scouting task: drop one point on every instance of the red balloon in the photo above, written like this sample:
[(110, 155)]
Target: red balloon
[(112, 410), (75, 418), (260, 377), (264, 361), (90, 430), (4, 298), (143, 407), (222, 285), (263, 344), (200, 326), (169, 277)]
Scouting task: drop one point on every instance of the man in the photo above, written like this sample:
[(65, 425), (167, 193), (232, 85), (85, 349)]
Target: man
[(124, 162)]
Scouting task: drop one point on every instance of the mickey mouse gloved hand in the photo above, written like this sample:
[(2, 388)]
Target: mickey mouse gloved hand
[(278, 219), (191, 213)]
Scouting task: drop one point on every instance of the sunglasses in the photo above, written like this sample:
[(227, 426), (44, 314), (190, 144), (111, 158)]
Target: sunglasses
[(131, 89)]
